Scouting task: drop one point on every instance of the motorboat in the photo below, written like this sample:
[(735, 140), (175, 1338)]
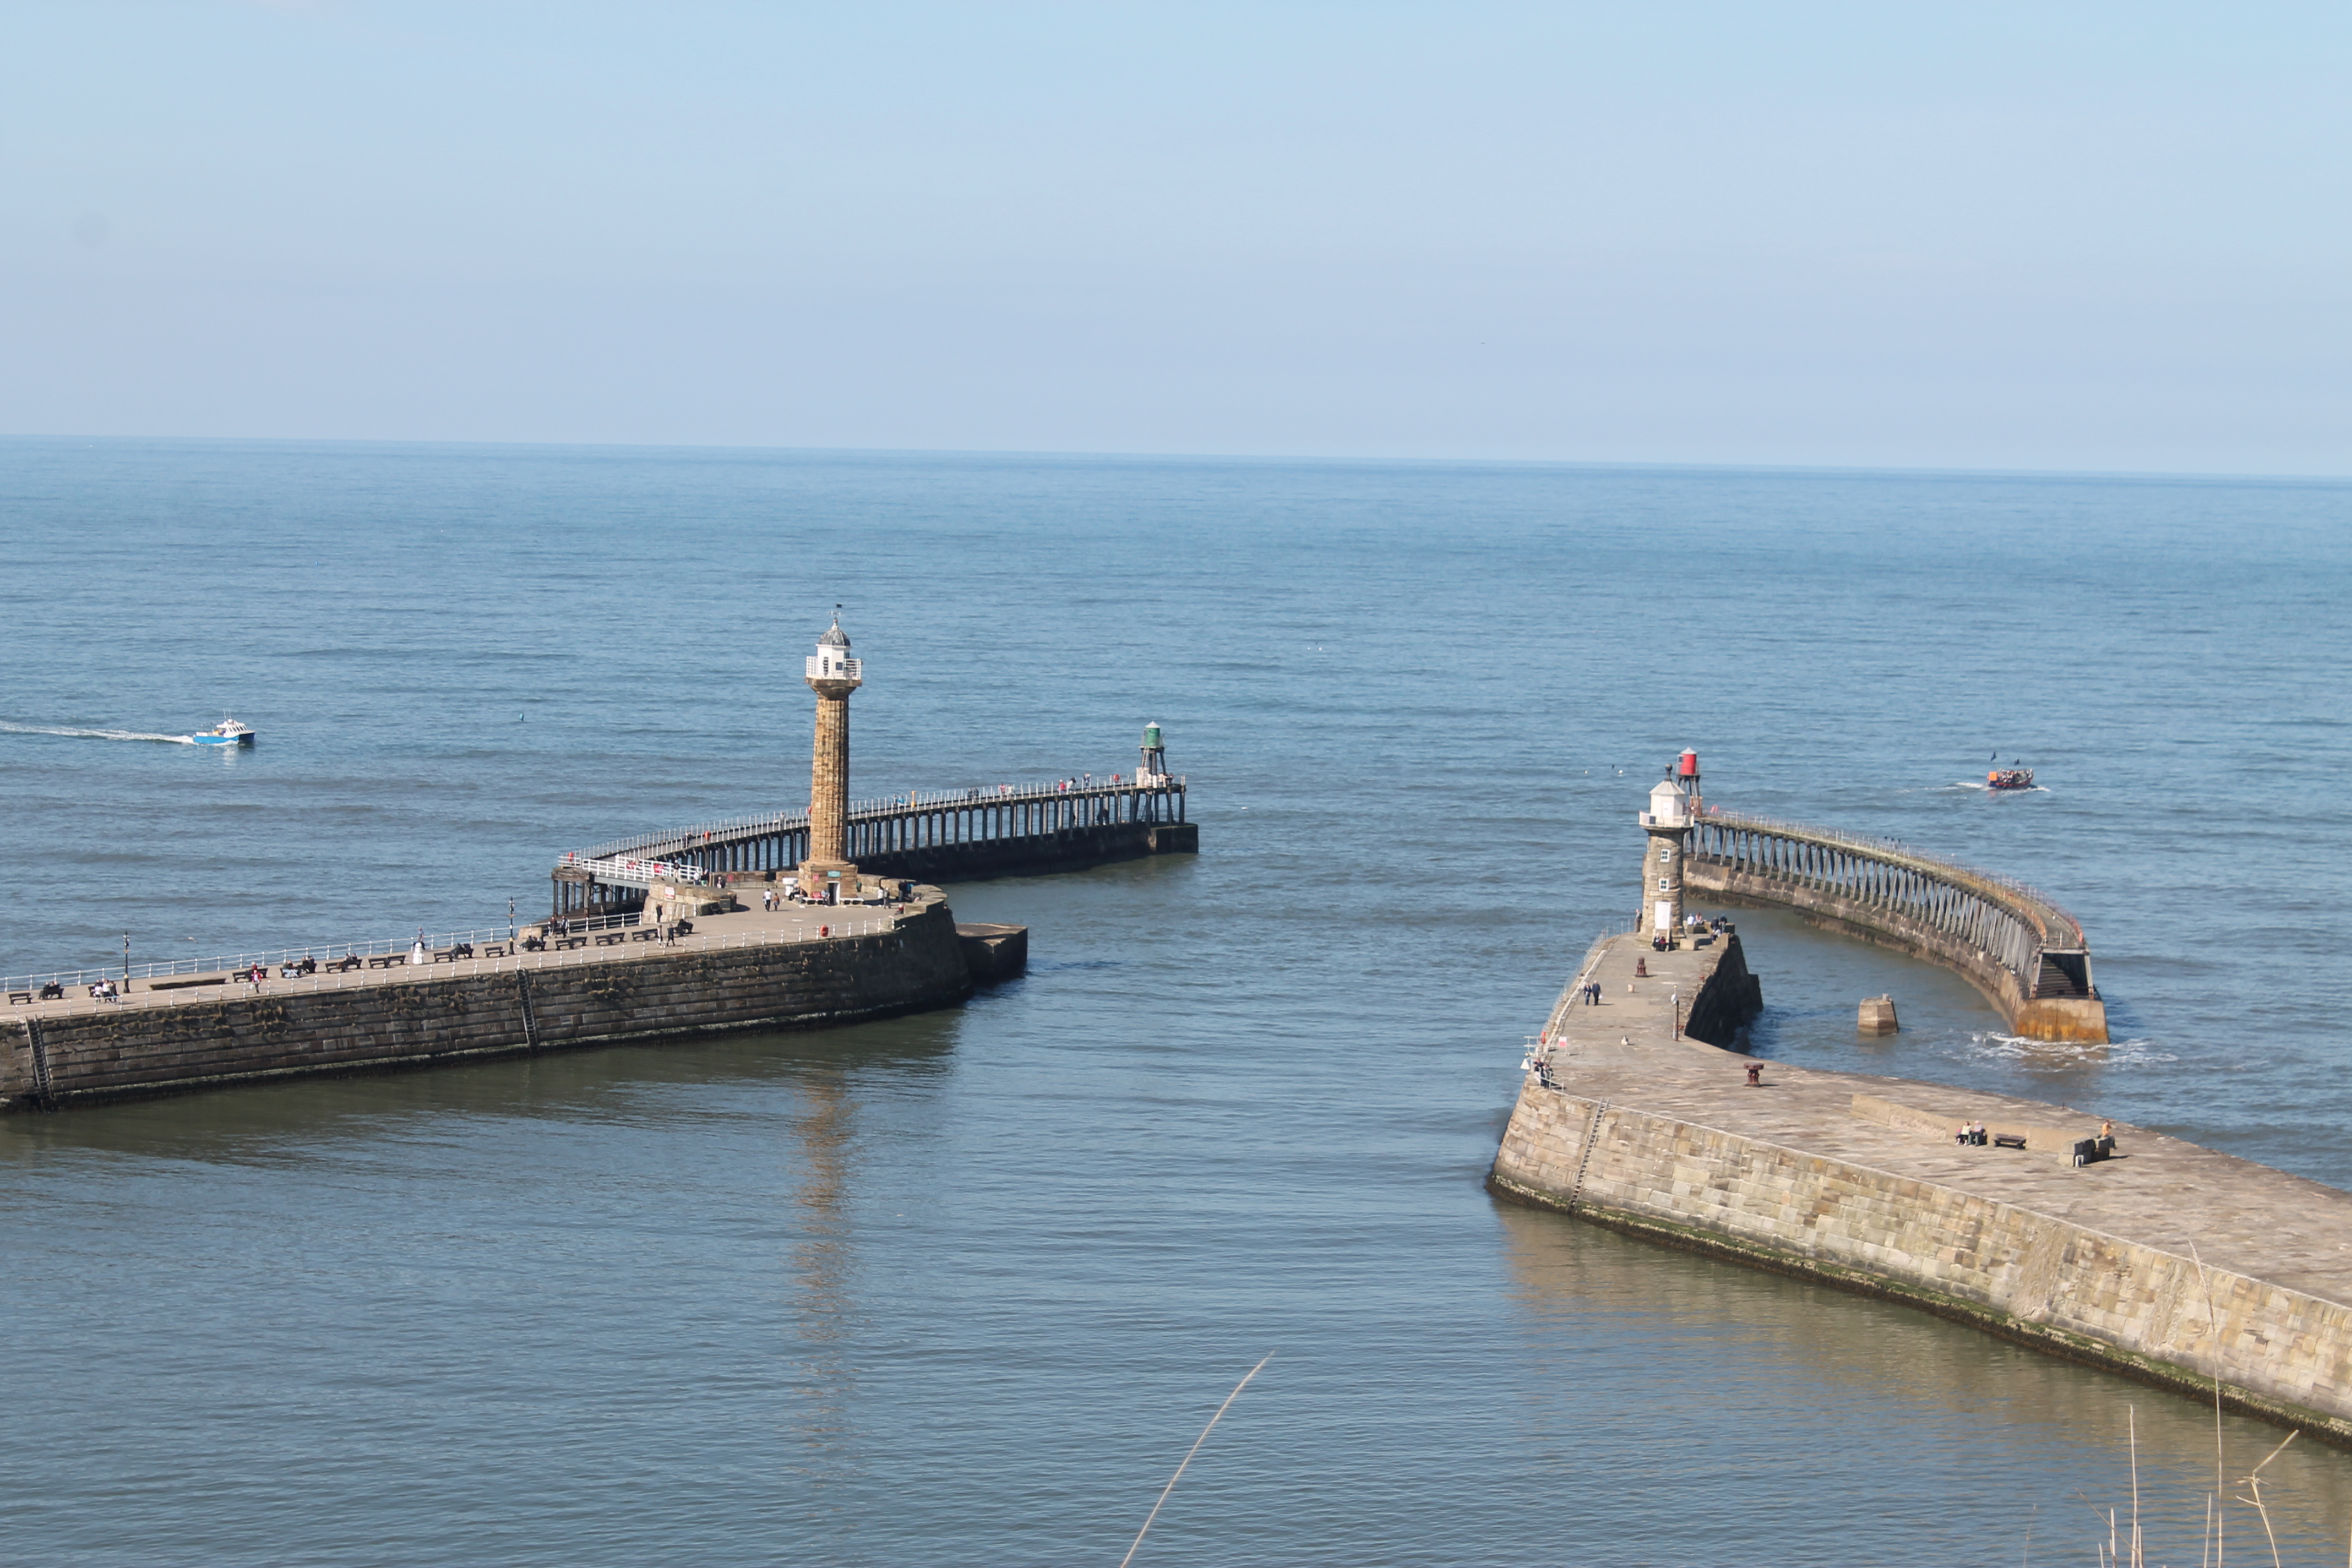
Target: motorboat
[(228, 732), (2009, 778)]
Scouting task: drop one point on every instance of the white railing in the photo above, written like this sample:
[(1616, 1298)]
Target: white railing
[(684, 837), (272, 960), (615, 868), (78, 1003), (850, 669)]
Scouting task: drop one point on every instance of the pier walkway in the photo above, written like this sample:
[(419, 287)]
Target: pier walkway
[(743, 928), (794, 967), (2132, 1262), (932, 836)]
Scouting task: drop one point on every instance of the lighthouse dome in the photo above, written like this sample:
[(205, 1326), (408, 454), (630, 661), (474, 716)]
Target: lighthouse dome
[(834, 636)]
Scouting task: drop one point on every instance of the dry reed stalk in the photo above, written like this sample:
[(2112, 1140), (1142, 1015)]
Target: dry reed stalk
[(2213, 1327), (2131, 1432), (2254, 1483), (1195, 1448)]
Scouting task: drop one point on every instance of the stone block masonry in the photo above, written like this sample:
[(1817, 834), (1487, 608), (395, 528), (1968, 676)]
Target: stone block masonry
[(544, 1002), (2173, 1264)]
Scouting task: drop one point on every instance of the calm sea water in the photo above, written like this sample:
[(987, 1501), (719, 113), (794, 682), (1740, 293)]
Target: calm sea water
[(963, 1288)]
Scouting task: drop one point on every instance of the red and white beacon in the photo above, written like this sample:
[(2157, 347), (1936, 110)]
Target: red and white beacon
[(1685, 777)]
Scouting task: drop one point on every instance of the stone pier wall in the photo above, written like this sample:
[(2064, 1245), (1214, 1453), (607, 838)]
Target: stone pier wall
[(417, 1022), (1728, 998), (2041, 1018), (2049, 1282)]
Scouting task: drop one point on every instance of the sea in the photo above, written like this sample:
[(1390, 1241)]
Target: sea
[(966, 1288)]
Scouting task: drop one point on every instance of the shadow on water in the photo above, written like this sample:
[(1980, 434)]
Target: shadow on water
[(1971, 1433)]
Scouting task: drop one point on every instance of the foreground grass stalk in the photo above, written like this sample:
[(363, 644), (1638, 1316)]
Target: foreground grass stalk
[(1195, 1448)]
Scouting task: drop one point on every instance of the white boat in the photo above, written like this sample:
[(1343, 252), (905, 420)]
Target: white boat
[(228, 732)]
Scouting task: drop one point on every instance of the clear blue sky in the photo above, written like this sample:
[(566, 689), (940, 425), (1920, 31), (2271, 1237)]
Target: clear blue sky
[(2029, 235)]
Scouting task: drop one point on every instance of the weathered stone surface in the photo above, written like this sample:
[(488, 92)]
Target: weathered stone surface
[(769, 975), (2173, 1263), (994, 952)]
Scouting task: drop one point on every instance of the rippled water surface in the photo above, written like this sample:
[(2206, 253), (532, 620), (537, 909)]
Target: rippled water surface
[(963, 1288)]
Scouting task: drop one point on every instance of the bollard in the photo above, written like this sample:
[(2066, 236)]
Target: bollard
[(1877, 1016)]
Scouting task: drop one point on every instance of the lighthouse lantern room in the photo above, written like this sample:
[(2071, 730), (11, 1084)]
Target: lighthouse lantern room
[(1153, 768), (832, 660)]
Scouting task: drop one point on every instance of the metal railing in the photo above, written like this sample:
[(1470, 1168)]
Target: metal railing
[(2070, 928), (615, 868), (271, 959), (77, 1003), (863, 810)]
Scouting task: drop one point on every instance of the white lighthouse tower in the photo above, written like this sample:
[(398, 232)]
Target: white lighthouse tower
[(827, 875), (1673, 805)]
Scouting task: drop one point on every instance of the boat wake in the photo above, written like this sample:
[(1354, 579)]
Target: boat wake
[(95, 734), (2062, 1054)]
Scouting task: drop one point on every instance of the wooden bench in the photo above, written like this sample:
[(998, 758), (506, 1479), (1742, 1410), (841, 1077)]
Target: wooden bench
[(24, 997), (564, 941), (2008, 1140), (344, 965), (611, 938), (496, 950), (387, 961), (646, 933)]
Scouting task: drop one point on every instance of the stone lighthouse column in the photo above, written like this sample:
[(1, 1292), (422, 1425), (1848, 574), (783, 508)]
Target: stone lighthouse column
[(827, 873), (1667, 824)]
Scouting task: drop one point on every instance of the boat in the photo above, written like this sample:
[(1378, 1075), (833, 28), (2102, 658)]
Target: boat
[(228, 732), (2009, 778)]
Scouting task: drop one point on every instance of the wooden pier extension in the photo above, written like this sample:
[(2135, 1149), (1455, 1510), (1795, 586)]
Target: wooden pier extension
[(941, 837)]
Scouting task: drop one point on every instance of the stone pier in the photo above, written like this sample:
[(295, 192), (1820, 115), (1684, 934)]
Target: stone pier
[(2168, 1262), (745, 968)]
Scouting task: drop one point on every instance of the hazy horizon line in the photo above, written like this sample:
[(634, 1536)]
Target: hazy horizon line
[(1270, 458)]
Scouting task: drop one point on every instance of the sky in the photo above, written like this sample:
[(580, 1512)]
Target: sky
[(2047, 236)]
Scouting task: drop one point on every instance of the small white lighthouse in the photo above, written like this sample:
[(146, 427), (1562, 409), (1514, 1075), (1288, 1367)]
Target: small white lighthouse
[(1673, 805)]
